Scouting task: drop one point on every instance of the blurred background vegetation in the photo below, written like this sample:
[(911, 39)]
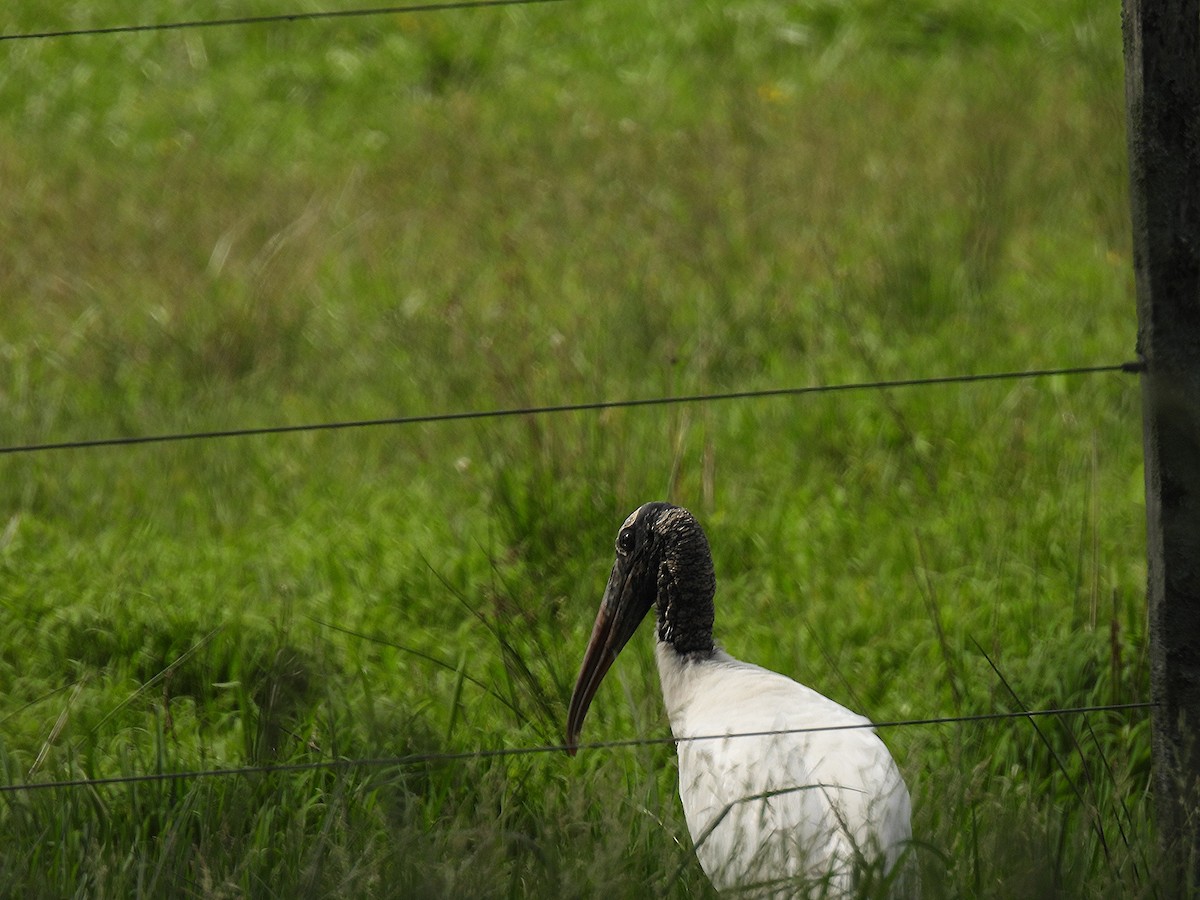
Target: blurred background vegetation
[(440, 212)]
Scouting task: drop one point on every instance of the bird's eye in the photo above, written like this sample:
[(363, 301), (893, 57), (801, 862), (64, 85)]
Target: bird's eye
[(625, 540)]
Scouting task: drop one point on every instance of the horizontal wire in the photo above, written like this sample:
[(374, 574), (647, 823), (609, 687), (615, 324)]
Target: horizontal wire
[(271, 19), (1129, 367), (417, 758)]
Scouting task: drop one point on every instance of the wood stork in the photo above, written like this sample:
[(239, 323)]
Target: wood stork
[(784, 810)]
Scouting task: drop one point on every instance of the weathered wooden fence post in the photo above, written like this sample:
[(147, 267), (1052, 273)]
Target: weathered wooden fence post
[(1162, 88)]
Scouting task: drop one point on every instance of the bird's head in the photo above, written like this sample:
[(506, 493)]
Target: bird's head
[(663, 561)]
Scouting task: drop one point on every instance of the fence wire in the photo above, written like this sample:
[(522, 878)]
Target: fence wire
[(270, 19), (1127, 367), (341, 765)]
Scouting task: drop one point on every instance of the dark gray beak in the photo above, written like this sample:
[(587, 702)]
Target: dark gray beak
[(621, 611)]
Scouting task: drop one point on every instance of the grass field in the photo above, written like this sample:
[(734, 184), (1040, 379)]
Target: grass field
[(416, 214)]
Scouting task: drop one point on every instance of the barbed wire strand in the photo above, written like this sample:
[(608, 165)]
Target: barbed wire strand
[(271, 19), (1128, 367), (460, 756)]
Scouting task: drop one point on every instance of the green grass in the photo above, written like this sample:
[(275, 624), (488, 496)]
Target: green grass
[(416, 214)]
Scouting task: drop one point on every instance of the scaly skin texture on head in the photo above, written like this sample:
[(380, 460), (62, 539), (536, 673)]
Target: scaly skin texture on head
[(686, 583)]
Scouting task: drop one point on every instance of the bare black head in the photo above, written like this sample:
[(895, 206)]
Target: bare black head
[(663, 561)]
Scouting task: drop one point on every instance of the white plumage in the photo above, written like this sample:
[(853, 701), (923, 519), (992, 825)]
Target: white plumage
[(779, 810), (811, 802)]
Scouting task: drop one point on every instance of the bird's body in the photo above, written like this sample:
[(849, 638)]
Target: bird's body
[(808, 797), (802, 797)]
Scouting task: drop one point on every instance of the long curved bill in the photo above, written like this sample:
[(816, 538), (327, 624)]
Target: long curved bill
[(616, 622)]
